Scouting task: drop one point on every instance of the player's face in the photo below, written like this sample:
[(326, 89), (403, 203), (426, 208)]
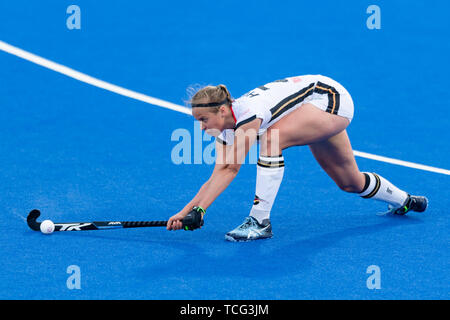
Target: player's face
[(212, 123)]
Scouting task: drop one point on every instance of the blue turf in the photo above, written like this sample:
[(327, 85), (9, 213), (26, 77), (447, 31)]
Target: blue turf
[(80, 153)]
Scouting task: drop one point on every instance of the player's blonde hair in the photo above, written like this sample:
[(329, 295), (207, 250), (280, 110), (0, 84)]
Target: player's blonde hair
[(211, 94)]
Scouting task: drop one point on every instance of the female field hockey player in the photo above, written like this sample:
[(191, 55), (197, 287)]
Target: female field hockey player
[(311, 110)]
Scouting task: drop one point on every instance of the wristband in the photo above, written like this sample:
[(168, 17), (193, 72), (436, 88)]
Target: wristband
[(198, 208)]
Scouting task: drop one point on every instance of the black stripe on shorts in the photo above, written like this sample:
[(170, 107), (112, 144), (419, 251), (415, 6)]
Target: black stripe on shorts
[(333, 96), (291, 101)]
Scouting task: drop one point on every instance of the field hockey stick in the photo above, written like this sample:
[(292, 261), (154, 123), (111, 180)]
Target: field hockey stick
[(97, 225)]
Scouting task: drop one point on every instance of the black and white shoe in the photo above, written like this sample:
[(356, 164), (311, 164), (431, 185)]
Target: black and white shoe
[(414, 203)]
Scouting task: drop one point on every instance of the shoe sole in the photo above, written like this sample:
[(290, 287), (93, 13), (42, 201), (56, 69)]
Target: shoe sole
[(231, 239)]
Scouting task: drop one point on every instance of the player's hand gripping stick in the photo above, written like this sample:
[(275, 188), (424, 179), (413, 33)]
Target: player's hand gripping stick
[(194, 219)]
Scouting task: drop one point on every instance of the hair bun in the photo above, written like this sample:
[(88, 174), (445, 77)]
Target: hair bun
[(211, 94)]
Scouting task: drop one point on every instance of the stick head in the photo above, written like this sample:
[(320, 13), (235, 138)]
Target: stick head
[(31, 220)]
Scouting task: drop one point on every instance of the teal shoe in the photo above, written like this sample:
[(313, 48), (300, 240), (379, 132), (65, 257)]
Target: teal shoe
[(250, 229)]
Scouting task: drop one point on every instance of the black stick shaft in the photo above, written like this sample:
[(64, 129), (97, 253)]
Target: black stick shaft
[(96, 225), (138, 224)]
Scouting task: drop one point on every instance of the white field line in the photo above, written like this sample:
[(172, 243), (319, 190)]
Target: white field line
[(90, 80), (168, 105), (400, 162)]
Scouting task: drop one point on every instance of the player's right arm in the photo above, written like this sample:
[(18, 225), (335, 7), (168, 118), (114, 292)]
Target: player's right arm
[(220, 164), (228, 162)]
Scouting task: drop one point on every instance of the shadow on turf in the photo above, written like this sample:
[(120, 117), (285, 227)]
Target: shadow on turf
[(242, 259), (245, 259)]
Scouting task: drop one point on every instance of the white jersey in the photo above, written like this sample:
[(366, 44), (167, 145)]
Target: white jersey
[(273, 101)]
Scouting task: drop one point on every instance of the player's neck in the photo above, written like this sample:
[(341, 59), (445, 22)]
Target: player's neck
[(230, 119)]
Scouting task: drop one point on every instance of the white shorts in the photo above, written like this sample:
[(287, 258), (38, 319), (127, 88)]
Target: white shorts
[(330, 96)]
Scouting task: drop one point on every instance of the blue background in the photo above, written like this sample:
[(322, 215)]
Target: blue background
[(79, 153)]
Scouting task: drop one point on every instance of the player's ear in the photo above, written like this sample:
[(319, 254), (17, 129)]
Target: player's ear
[(223, 110)]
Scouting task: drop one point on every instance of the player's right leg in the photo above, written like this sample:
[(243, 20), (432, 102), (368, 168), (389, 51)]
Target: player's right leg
[(305, 125)]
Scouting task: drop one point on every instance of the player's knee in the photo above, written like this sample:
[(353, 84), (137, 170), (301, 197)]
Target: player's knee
[(271, 143)]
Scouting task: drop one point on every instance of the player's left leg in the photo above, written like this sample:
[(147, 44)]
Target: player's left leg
[(335, 155)]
